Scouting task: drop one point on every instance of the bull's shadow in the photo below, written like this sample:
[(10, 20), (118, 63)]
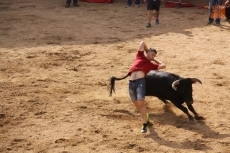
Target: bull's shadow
[(187, 144), (183, 122)]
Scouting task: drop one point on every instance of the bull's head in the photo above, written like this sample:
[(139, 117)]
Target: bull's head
[(184, 88)]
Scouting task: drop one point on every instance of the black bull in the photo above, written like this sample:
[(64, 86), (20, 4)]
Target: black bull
[(168, 86)]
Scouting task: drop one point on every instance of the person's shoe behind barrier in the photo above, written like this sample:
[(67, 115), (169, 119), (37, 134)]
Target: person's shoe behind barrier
[(148, 25), (157, 21), (67, 4), (217, 23), (75, 4), (209, 22), (178, 5)]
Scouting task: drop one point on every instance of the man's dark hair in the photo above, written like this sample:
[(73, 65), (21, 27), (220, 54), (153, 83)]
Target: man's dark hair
[(152, 50)]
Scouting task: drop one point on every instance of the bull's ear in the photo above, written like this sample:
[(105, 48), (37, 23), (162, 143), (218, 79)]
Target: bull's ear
[(194, 80)]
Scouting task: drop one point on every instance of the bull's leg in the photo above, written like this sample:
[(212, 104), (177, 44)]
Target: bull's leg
[(165, 101), (185, 110), (166, 107), (197, 116)]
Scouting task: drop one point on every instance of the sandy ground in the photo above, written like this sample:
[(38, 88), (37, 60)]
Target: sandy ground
[(55, 63)]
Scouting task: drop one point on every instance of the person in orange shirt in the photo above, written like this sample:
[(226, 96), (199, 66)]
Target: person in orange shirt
[(213, 4)]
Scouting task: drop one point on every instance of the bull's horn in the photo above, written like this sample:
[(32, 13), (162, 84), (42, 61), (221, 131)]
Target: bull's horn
[(195, 79), (174, 84)]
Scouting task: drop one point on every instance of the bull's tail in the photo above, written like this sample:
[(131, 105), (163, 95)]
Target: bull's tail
[(111, 85)]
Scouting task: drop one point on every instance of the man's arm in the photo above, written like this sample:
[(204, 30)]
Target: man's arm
[(161, 64), (142, 46)]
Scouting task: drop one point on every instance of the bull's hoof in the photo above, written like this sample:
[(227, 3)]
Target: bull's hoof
[(193, 120), (199, 118)]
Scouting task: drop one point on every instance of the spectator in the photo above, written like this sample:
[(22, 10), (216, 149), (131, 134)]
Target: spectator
[(68, 2), (129, 3), (153, 5), (227, 5), (213, 5), (179, 4)]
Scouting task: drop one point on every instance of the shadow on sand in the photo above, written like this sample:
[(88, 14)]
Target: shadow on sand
[(199, 127)]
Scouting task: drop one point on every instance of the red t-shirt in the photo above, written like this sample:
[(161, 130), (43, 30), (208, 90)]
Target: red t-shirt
[(141, 63)]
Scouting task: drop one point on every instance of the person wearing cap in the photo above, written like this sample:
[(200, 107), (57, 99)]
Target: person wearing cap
[(143, 63)]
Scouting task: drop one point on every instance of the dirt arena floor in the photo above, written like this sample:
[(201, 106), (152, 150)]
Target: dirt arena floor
[(55, 63)]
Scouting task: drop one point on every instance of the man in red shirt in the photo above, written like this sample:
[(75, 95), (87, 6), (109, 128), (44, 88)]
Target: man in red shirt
[(140, 67)]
